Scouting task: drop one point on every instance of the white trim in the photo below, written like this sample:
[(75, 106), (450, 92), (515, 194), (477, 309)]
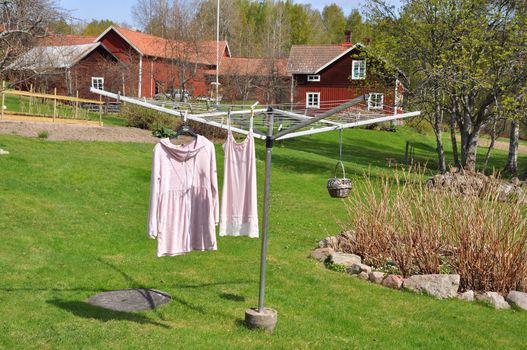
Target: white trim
[(140, 77), (313, 106), (356, 46), (313, 77), (98, 79), (121, 35), (378, 104), (353, 77)]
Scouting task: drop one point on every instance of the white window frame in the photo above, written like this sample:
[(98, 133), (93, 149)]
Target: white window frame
[(97, 83), (310, 104), (361, 74), (373, 102), (313, 77)]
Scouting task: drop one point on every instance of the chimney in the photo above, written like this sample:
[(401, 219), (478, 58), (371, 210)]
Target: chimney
[(347, 43)]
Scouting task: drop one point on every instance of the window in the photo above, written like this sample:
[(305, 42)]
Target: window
[(358, 69), (375, 100), (313, 78), (313, 100), (97, 83)]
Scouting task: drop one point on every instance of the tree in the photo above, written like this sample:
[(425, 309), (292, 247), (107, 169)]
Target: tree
[(334, 23), (462, 57), (95, 27), (22, 24)]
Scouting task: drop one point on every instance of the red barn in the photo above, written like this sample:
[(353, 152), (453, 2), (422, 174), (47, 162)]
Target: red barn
[(326, 76), (159, 65), (68, 68)]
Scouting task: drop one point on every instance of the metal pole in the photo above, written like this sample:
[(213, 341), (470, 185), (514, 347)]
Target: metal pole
[(265, 227), (217, 52)]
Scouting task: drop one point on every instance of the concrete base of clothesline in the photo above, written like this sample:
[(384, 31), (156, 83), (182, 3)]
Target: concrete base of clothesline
[(265, 320), (130, 299)]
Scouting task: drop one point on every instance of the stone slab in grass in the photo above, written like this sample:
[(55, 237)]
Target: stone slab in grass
[(130, 299)]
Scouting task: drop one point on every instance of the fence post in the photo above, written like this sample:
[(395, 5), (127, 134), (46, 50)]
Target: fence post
[(30, 107), (54, 104), (77, 106), (3, 100), (100, 110)]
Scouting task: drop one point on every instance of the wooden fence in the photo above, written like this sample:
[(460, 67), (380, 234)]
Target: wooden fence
[(52, 115)]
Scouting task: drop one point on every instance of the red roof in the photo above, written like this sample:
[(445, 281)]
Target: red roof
[(203, 52), (251, 66), (306, 59), (66, 40)]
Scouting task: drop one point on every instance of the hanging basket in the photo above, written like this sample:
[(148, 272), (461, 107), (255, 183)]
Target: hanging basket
[(339, 187)]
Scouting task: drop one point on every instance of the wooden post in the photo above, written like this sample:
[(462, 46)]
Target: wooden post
[(406, 153), (54, 105), (3, 100), (100, 110), (30, 108), (77, 106)]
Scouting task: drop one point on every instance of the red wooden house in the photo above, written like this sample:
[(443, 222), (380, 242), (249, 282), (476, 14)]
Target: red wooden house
[(67, 67), (159, 65), (326, 76)]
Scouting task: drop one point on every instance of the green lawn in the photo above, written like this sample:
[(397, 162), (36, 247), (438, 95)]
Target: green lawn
[(73, 223)]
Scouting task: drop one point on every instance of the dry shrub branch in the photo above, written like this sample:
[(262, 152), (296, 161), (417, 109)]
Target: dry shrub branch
[(401, 222)]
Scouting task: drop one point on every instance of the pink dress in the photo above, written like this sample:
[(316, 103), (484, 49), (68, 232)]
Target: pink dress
[(183, 197), (239, 211)]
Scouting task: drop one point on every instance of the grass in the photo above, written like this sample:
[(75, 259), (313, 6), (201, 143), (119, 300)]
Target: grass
[(73, 223), (21, 104)]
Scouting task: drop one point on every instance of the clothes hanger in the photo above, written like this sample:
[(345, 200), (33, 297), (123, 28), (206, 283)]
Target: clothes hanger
[(184, 129)]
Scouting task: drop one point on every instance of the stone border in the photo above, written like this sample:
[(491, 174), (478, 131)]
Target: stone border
[(440, 286)]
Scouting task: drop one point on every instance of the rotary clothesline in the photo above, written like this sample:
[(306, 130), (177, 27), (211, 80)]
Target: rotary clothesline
[(288, 124), (272, 124)]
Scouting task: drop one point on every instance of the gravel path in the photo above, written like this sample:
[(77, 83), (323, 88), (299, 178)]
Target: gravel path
[(71, 132)]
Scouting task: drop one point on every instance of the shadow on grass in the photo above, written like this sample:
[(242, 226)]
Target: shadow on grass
[(85, 310), (203, 285), (232, 297)]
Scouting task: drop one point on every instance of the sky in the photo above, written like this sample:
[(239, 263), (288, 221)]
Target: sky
[(121, 11)]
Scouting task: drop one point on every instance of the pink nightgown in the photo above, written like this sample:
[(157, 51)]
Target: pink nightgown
[(183, 197), (239, 212)]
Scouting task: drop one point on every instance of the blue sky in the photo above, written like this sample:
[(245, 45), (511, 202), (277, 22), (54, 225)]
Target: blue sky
[(120, 11)]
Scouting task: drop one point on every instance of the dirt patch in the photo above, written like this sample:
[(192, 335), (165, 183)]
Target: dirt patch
[(68, 132)]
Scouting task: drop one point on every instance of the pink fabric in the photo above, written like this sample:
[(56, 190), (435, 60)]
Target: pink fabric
[(239, 212), (183, 197)]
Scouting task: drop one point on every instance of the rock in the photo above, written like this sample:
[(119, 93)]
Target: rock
[(376, 277), (517, 298), (515, 181), (363, 276), (439, 286), (467, 296), (393, 281), (494, 299), (355, 269), (2, 152), (345, 259), (328, 242), (321, 254)]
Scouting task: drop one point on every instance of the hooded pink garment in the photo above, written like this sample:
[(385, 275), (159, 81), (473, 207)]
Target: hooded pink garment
[(239, 211), (183, 197)]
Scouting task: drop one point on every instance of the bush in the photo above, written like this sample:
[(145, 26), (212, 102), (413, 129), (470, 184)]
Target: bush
[(420, 124), (43, 135), (401, 223), (144, 118)]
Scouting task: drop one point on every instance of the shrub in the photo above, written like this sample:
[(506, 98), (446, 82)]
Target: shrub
[(400, 222), (43, 135), (163, 132), (144, 118)]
